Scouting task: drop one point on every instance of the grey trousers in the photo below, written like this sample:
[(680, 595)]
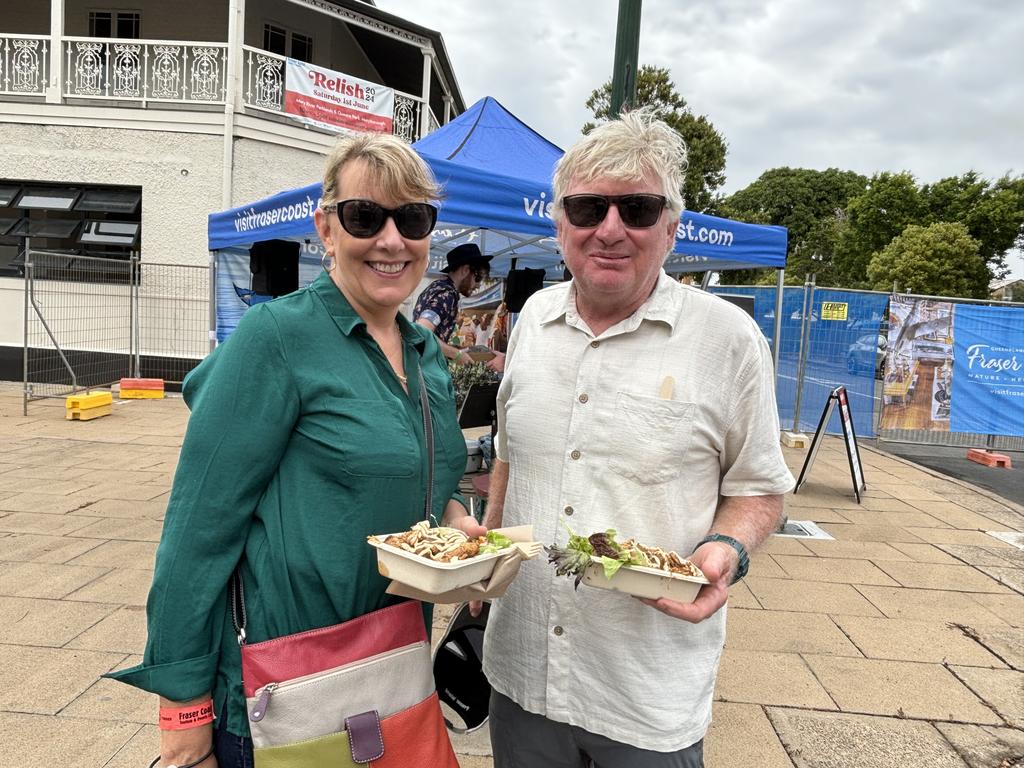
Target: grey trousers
[(521, 739)]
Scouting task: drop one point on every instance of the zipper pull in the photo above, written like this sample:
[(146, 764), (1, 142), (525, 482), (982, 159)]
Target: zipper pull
[(260, 710)]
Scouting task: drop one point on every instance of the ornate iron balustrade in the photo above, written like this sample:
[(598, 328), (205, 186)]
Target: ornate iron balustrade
[(407, 117), (24, 64), (145, 70)]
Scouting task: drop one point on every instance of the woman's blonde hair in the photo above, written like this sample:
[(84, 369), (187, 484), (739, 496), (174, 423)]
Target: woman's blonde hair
[(394, 166), (636, 144)]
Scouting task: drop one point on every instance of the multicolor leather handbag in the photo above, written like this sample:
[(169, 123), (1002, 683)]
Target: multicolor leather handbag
[(349, 695)]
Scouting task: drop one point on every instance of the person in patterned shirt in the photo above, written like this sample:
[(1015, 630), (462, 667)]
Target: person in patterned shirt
[(438, 306)]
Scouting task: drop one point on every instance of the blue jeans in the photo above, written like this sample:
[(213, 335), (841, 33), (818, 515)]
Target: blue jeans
[(232, 751)]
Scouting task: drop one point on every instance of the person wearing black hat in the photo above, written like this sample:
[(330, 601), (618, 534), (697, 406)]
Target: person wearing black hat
[(438, 306)]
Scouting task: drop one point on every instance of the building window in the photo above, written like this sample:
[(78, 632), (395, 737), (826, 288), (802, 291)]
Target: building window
[(102, 222), (285, 42), (119, 24)]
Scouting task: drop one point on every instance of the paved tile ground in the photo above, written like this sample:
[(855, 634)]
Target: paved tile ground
[(899, 643)]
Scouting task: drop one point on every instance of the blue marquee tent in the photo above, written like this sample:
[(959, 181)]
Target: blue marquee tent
[(496, 175)]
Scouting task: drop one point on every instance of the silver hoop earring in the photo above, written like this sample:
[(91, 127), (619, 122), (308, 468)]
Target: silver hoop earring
[(323, 262)]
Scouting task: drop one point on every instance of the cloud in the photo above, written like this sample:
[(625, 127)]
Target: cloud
[(928, 86)]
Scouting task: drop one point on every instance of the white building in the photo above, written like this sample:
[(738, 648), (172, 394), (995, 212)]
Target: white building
[(124, 124)]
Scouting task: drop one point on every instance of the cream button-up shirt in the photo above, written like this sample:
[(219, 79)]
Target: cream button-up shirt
[(592, 443)]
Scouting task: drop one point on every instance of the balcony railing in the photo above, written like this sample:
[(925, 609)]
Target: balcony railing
[(164, 71), (24, 64), (145, 70), (263, 88)]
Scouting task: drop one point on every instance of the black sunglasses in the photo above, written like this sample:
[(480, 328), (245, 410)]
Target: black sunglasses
[(365, 218), (637, 211)]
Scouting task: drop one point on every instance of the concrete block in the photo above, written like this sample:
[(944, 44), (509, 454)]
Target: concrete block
[(955, 578), (925, 553), (121, 585), (740, 734), (953, 536), (983, 746), (32, 547), (1002, 689), (45, 680), (930, 605), (740, 596), (809, 597), (47, 580), (42, 740), (795, 440), (48, 623), (886, 533), (127, 554), (779, 679), (855, 550), (1009, 576), (934, 642), (786, 632), (54, 525), (899, 689), (829, 740), (1009, 608), (833, 569)]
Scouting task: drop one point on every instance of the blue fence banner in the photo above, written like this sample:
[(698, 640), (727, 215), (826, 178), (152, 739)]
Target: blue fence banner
[(988, 370), (845, 348)]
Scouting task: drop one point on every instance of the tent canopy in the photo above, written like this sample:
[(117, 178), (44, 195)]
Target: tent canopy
[(495, 173)]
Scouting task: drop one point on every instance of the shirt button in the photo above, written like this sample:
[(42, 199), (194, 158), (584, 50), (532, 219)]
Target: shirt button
[(595, 344), (569, 510), (558, 631), (584, 397), (575, 454)]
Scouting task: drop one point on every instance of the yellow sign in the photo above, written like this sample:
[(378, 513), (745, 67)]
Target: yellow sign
[(834, 310)]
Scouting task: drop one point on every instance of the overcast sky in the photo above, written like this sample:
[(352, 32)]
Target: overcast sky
[(933, 87)]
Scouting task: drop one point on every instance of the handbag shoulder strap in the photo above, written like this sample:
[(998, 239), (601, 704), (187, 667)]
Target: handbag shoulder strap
[(428, 438), (236, 590)]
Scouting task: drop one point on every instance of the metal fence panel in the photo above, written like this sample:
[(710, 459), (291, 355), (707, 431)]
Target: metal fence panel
[(78, 323), (173, 319), (90, 322), (839, 346)]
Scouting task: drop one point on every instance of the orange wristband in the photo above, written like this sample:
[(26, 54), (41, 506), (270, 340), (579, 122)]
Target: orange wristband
[(180, 718)]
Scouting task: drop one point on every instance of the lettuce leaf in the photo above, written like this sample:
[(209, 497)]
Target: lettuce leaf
[(495, 543)]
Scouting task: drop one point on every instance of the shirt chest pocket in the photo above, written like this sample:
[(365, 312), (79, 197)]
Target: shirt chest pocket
[(364, 438), (649, 438)]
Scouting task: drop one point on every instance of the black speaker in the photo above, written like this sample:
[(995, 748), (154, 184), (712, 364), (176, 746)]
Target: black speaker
[(520, 285), (275, 267)]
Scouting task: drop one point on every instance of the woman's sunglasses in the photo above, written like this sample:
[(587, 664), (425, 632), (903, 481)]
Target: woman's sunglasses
[(638, 211), (365, 218)]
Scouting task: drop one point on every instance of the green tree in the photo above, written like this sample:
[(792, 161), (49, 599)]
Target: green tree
[(891, 202), (992, 212), (810, 204), (941, 259), (706, 148)]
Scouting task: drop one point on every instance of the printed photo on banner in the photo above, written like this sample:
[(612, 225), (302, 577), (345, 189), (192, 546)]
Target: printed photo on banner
[(337, 101), (988, 366), (918, 381)]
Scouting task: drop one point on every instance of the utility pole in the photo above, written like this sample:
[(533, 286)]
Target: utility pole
[(627, 49)]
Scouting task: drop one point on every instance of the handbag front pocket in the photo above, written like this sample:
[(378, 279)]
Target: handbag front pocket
[(317, 704), (413, 738)]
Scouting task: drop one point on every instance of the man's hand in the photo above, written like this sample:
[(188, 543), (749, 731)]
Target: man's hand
[(497, 363), (718, 561)]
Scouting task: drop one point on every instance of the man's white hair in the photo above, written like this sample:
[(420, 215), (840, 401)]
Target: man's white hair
[(629, 148)]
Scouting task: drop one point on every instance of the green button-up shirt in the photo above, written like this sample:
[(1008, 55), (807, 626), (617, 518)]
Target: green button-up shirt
[(302, 442)]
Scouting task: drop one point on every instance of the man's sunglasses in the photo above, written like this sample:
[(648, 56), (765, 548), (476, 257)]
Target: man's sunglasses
[(638, 211), (365, 218)]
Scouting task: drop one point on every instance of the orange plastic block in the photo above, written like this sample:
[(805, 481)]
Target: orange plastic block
[(989, 459), (142, 384)]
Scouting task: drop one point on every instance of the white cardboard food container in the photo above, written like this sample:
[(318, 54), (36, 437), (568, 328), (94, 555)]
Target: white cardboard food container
[(639, 581), (430, 575)]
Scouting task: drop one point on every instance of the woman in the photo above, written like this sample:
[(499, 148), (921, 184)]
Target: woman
[(306, 436)]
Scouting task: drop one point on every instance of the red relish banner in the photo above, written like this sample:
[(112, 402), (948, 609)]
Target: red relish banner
[(337, 101)]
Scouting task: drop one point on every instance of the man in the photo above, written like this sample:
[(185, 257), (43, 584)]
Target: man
[(630, 402), (437, 308)]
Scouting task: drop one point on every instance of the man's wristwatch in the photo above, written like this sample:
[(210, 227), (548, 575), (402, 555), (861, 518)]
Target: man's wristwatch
[(744, 565)]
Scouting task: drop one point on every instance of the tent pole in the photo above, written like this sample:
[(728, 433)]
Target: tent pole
[(777, 343)]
